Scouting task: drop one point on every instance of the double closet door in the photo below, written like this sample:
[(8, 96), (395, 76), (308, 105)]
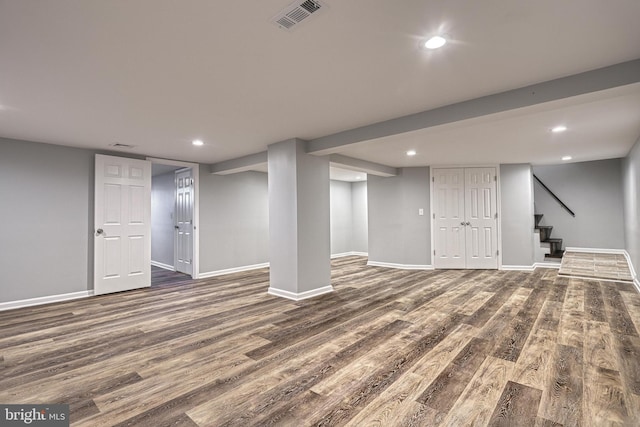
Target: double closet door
[(465, 218)]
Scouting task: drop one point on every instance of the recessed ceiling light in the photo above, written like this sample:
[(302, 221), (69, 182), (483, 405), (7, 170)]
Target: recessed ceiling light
[(565, 158), (411, 153), (197, 142), (435, 42), (558, 129)]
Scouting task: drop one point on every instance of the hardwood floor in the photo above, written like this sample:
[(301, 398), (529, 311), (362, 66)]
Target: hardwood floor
[(388, 347)]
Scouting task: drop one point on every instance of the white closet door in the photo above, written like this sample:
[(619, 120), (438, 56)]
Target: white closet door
[(481, 218), (449, 219)]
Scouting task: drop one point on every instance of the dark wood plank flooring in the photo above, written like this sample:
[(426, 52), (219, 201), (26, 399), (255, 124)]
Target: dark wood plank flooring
[(388, 347)]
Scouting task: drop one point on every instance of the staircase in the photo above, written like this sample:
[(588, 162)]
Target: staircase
[(554, 244)]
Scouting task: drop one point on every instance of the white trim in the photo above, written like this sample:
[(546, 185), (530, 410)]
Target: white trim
[(162, 265), (352, 253), (546, 265), (302, 295), (631, 269), (636, 283), (518, 267), (232, 270), (195, 167), (596, 250), (400, 266), (44, 300)]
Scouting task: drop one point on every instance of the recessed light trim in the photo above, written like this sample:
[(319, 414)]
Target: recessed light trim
[(411, 153), (435, 42), (197, 142), (558, 129), (565, 158)]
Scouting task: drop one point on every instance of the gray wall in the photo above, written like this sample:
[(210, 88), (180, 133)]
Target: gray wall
[(631, 189), (593, 191), (341, 217), (397, 234), (348, 217), (234, 220), (163, 197), (517, 223), (46, 220), (359, 229)]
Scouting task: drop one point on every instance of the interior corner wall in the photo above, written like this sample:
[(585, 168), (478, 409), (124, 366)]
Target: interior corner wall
[(163, 202), (631, 191), (397, 233), (359, 231), (517, 221), (593, 191), (46, 220), (234, 220), (341, 217)]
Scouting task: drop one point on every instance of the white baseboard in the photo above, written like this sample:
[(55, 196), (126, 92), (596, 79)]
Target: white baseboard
[(597, 250), (161, 265), (400, 266), (44, 300), (518, 267), (555, 265), (300, 296), (352, 253), (232, 270)]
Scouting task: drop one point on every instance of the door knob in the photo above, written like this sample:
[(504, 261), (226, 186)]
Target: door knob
[(463, 223), (99, 231), (468, 223), (176, 227)]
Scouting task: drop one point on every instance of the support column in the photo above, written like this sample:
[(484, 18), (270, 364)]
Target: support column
[(299, 230)]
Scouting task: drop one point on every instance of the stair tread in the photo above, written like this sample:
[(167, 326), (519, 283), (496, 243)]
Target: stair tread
[(554, 240), (557, 254), (544, 226)]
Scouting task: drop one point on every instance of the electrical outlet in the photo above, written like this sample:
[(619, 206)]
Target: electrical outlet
[(420, 211)]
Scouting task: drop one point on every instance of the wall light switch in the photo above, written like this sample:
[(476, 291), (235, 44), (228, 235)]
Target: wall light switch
[(420, 211)]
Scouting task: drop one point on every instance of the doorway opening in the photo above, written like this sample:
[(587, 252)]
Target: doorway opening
[(174, 219)]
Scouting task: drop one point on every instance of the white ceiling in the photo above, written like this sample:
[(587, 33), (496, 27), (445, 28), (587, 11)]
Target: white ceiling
[(158, 73)]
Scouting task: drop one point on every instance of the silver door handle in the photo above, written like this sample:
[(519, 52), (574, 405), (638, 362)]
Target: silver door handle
[(176, 227), (463, 223), (468, 223), (99, 231)]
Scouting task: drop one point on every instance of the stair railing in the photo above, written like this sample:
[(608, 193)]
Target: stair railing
[(554, 196)]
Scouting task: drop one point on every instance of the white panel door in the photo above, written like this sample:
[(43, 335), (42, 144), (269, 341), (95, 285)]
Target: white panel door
[(184, 222), (449, 222), (122, 242), (465, 218), (481, 218)]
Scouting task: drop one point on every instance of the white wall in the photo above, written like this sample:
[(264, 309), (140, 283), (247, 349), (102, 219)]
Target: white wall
[(517, 221), (631, 191), (593, 191), (397, 234), (163, 196)]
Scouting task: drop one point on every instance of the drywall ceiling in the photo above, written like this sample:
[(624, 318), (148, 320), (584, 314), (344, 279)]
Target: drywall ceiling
[(157, 74)]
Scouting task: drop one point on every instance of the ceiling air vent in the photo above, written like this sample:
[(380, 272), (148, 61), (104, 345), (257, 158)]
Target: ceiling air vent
[(118, 145), (295, 13)]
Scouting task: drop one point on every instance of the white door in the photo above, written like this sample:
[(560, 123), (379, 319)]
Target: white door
[(184, 222), (465, 218), (449, 222), (481, 218), (122, 243)]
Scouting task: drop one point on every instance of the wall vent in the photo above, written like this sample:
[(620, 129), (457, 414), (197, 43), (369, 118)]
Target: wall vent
[(118, 145), (295, 13)]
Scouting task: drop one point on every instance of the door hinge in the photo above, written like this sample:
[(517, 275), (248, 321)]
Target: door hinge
[(497, 253), (434, 216), (496, 215), (495, 178), (433, 179), (434, 252)]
